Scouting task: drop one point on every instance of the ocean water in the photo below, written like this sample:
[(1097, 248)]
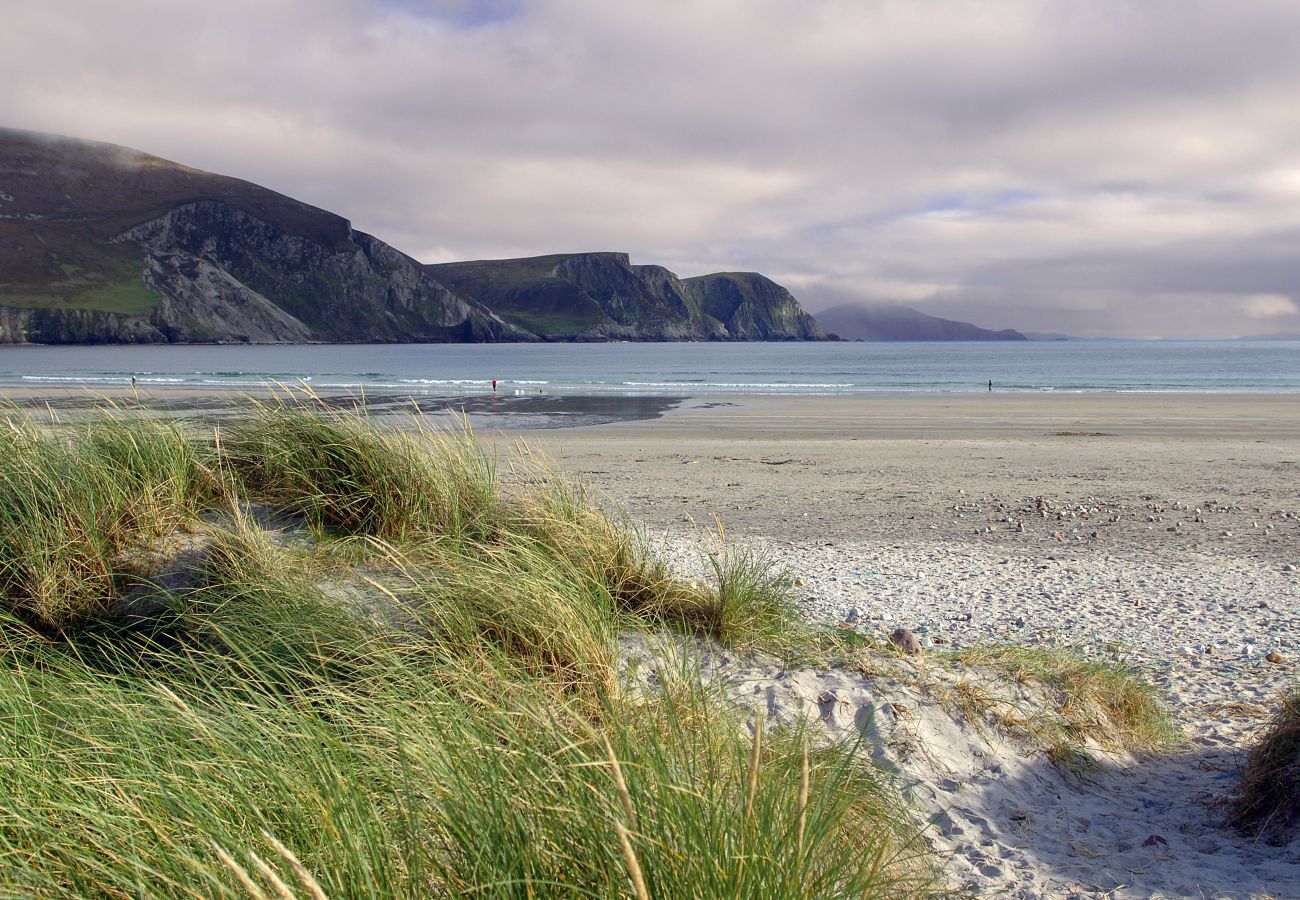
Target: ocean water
[(678, 370)]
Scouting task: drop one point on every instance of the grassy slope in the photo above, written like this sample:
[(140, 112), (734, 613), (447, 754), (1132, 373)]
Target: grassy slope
[(115, 286), (70, 197), (524, 293)]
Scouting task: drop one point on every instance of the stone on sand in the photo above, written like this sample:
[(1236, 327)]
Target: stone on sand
[(906, 641)]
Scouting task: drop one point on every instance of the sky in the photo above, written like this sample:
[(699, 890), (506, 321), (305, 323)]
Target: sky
[(1091, 167)]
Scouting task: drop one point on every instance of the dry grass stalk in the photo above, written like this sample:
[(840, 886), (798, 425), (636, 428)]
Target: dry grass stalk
[(305, 878), (282, 890), (633, 866), (241, 875), (624, 796), (1268, 798), (801, 804)]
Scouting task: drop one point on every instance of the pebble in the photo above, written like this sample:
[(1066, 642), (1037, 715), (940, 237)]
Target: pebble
[(906, 641), (1173, 605)]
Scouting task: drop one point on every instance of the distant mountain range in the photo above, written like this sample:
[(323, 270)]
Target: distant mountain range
[(104, 244), (889, 322)]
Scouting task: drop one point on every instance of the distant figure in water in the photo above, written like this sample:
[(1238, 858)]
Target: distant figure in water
[(990, 385), (494, 385)]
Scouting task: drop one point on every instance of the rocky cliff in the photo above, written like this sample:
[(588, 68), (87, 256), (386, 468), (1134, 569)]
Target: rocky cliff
[(227, 265), (602, 296), (101, 244), (104, 244), (753, 307)]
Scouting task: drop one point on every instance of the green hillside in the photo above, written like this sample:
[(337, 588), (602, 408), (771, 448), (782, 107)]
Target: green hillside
[(63, 201)]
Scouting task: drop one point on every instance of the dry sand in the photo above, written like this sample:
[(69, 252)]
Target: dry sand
[(1162, 530)]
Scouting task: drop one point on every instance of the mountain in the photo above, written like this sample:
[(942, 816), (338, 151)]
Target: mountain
[(100, 243), (902, 323), (105, 244), (602, 296)]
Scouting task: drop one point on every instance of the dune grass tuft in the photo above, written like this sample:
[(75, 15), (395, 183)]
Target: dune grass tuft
[(346, 474), (1094, 701), (745, 601), (71, 501), (751, 601), (610, 555), (1268, 797)]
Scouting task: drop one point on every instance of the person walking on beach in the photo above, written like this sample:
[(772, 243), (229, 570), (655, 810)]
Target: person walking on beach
[(990, 385), (494, 385)]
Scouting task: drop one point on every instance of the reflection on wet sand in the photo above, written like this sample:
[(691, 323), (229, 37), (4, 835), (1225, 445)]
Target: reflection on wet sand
[(506, 413)]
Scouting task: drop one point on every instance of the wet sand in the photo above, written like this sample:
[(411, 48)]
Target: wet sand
[(515, 410), (893, 468)]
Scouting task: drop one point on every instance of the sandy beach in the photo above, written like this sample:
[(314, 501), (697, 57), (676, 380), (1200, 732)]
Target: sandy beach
[(892, 469), (1160, 530)]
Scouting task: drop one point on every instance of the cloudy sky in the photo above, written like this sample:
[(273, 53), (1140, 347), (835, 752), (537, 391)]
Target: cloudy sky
[(1084, 166)]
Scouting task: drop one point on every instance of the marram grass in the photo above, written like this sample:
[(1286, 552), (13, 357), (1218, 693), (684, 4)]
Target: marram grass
[(1093, 701), (346, 475), (260, 738), (72, 500), (1267, 800)]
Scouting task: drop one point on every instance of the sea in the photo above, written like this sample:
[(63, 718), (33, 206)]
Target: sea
[(675, 370)]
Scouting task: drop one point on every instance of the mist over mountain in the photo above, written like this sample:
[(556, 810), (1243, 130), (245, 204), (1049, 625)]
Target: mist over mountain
[(892, 322)]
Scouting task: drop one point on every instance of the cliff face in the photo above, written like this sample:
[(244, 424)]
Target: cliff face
[(225, 264), (602, 296), (753, 307), (101, 244)]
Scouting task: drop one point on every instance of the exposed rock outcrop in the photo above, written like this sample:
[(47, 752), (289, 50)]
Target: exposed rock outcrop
[(231, 271), (753, 307)]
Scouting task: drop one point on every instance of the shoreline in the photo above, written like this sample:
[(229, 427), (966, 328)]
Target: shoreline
[(746, 416)]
